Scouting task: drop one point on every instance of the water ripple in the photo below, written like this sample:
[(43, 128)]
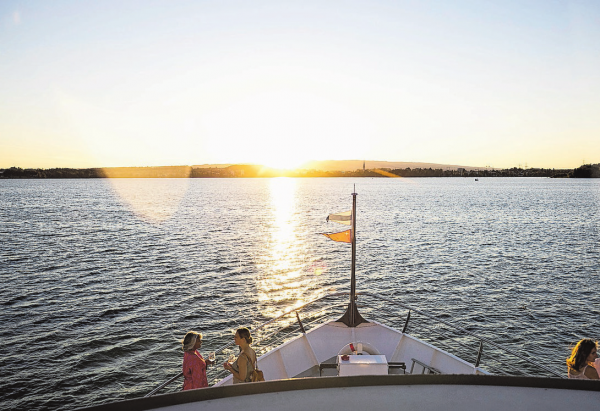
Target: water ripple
[(102, 278)]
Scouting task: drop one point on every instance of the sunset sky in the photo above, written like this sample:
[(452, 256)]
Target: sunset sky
[(142, 83)]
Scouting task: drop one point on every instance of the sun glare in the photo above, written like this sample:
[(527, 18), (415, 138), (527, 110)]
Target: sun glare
[(283, 128), (284, 162)]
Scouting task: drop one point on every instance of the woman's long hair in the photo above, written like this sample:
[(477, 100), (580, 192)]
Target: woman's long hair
[(580, 354)]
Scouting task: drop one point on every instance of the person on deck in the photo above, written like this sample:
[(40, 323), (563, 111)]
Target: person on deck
[(243, 366), (194, 365), (581, 362)]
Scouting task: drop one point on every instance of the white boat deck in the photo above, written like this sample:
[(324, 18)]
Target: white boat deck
[(315, 353)]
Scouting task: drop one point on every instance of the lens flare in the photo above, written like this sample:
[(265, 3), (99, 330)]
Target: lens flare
[(153, 200)]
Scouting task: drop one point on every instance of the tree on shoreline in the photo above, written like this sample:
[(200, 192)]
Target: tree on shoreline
[(587, 171), (255, 171)]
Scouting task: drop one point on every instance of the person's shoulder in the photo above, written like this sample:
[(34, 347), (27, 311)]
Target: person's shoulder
[(574, 372), (187, 357), (591, 373), (192, 356), (250, 354)]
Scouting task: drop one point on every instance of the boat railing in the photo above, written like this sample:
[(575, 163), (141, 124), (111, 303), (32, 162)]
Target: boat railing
[(481, 351), (267, 336)]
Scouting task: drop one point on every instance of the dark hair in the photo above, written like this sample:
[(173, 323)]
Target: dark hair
[(580, 353), (245, 334)]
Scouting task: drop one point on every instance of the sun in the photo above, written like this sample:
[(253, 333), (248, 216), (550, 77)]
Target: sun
[(285, 161), (277, 128)]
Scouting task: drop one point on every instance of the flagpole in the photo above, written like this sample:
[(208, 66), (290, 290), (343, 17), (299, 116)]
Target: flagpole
[(353, 277), (351, 317)]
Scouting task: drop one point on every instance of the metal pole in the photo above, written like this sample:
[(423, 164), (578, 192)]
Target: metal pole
[(479, 354), (300, 323), (352, 317), (406, 323), (353, 279), (163, 385)]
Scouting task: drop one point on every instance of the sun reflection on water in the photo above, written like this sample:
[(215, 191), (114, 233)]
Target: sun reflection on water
[(285, 281)]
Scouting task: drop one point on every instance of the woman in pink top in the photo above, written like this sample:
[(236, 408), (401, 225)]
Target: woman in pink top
[(194, 366), (581, 361)]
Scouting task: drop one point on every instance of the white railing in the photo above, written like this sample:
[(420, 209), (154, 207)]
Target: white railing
[(483, 343), (266, 341)]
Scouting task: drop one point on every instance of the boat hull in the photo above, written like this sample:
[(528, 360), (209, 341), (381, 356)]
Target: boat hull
[(390, 392)]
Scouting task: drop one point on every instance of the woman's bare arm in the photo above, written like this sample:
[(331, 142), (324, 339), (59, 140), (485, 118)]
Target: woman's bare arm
[(243, 367)]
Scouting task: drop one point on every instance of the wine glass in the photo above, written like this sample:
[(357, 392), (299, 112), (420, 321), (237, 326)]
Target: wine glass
[(231, 359), (211, 357)]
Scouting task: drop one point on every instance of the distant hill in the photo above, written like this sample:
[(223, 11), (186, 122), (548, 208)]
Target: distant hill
[(212, 165), (353, 165)]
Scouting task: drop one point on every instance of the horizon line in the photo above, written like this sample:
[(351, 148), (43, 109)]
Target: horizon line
[(304, 166)]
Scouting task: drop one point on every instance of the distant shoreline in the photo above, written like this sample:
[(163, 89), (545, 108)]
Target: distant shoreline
[(254, 171)]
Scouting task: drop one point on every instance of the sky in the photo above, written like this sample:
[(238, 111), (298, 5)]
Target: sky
[(149, 83)]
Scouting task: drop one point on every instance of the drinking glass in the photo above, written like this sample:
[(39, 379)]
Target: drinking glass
[(211, 356), (231, 359)]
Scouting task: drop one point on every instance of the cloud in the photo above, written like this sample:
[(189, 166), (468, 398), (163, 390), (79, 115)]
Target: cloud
[(16, 17)]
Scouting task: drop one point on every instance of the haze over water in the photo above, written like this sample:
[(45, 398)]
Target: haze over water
[(101, 278)]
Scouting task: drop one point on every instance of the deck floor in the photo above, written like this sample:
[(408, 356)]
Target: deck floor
[(328, 368)]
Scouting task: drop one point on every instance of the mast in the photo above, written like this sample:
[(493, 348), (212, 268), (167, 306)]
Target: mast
[(352, 317), (353, 275)]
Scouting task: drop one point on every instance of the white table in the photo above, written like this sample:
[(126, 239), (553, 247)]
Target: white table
[(362, 365)]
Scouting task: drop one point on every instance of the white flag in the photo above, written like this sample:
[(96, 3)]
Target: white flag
[(342, 218)]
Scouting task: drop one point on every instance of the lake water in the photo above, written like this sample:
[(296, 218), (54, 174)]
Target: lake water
[(102, 278)]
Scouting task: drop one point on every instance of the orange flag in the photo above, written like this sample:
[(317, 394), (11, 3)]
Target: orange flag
[(343, 237)]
